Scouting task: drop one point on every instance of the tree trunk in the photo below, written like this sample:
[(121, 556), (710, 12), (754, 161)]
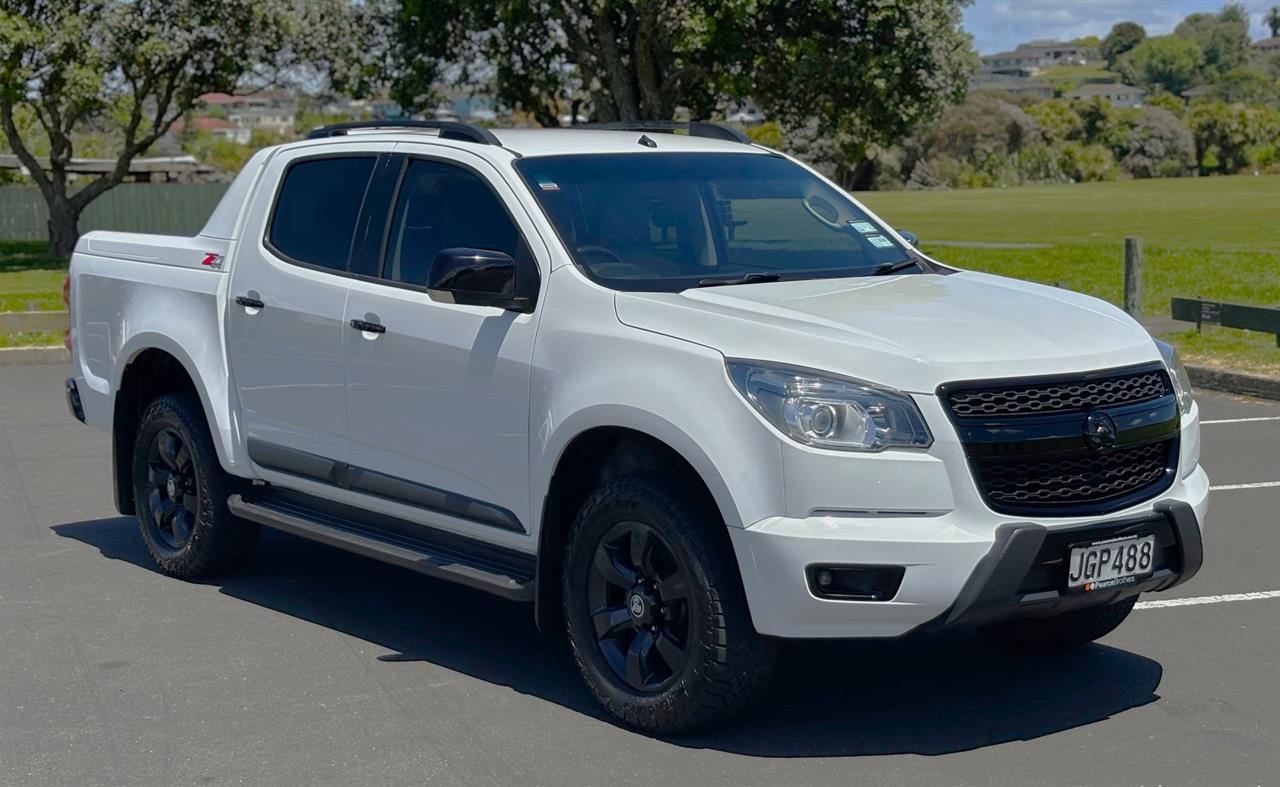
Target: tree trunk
[(63, 231)]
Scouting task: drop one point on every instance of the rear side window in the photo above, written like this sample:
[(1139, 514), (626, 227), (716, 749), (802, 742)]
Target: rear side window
[(442, 206), (316, 210)]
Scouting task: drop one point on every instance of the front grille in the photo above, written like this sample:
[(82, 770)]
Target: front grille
[(1027, 446), (1074, 479), (1058, 396)]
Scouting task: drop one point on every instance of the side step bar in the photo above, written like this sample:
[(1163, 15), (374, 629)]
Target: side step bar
[(442, 562)]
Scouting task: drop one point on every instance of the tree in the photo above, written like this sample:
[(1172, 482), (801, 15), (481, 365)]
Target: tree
[(868, 72), (1223, 38), (1166, 62), (134, 66), (1226, 133), (1272, 20), (1123, 37), (1154, 144)]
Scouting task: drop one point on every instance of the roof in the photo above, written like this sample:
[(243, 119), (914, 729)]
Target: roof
[(1267, 43), (1104, 89), (553, 141), (559, 141)]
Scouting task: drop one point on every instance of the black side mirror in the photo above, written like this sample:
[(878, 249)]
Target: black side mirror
[(909, 237), (483, 277)]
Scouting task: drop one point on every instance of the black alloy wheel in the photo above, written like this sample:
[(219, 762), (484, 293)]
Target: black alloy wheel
[(173, 502), (638, 592)]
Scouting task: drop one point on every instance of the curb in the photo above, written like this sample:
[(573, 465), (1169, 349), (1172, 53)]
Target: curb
[(1234, 382), (19, 356)]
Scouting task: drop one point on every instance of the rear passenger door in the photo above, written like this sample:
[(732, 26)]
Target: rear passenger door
[(285, 313), (438, 401)]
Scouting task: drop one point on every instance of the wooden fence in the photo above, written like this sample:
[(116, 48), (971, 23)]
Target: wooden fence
[(163, 208)]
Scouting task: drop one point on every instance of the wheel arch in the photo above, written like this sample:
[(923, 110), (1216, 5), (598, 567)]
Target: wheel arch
[(154, 368), (593, 456)]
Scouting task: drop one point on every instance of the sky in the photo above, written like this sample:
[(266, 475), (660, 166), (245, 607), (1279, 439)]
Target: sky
[(999, 25)]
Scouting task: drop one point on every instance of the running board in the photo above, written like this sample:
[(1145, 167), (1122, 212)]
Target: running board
[(475, 564)]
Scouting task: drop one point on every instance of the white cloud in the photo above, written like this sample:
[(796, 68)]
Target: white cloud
[(1002, 24)]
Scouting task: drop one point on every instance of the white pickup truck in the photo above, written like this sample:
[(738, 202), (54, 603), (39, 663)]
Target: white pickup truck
[(675, 389)]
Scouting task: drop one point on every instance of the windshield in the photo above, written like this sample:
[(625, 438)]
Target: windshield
[(668, 221)]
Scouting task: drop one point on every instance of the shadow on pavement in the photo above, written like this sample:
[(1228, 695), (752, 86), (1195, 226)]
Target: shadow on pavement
[(926, 695)]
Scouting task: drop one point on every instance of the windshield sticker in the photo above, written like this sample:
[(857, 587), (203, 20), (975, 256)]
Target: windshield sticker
[(880, 242), (547, 184), (865, 227)]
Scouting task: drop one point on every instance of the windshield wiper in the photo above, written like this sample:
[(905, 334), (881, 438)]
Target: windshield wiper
[(746, 278), (886, 268)]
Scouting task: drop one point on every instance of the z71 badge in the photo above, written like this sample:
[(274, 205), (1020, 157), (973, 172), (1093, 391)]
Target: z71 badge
[(212, 260)]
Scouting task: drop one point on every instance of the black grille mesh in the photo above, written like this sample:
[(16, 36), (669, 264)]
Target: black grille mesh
[(1057, 397), (1078, 479)]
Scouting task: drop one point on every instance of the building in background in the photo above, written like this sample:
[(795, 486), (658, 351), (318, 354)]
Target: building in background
[(1118, 95)]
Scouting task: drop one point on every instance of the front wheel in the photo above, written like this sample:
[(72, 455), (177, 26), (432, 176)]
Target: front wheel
[(656, 616), (1060, 632)]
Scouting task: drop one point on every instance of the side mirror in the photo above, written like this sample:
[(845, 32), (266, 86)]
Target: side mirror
[(909, 237), (483, 277)]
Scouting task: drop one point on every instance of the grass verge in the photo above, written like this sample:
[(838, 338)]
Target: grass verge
[(30, 339), (30, 279)]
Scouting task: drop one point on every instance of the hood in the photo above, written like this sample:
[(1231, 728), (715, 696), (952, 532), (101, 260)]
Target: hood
[(911, 332)]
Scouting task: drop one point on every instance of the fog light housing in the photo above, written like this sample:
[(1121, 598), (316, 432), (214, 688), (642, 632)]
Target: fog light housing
[(855, 583)]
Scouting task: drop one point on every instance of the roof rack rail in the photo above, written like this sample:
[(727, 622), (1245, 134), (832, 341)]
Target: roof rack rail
[(449, 129), (694, 128)]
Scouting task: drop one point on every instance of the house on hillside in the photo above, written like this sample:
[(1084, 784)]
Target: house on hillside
[(222, 129), (272, 110), (1118, 95), (1030, 59), (1267, 45)]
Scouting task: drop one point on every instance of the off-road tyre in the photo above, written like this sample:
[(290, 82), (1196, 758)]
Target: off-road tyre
[(195, 535), (728, 664)]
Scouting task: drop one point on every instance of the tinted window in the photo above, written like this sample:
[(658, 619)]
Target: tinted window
[(316, 210), (441, 207), (667, 221)]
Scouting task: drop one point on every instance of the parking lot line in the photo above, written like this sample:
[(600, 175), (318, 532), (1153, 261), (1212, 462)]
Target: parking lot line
[(1183, 602), (1258, 485), (1241, 420)]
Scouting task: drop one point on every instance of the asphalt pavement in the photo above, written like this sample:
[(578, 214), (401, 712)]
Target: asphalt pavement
[(312, 666)]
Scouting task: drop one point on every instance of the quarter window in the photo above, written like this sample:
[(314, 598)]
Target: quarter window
[(442, 206), (316, 210)]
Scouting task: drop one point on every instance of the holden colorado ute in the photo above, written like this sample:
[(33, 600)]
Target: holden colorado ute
[(677, 391)]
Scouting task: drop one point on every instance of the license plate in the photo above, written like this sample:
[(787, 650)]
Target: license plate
[(1110, 563)]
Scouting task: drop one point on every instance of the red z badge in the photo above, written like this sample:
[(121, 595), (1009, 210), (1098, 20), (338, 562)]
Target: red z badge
[(212, 260)]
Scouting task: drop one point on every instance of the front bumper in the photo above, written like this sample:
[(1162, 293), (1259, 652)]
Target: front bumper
[(961, 569)]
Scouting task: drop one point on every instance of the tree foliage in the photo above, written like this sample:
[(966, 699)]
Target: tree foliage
[(1223, 38), (1170, 63), (1123, 37), (866, 71), (133, 66)]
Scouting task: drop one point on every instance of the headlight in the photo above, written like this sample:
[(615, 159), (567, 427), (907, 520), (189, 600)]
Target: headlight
[(830, 412), (1177, 374)]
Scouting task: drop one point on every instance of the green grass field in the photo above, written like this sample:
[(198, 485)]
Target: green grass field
[(1216, 238), (30, 280)]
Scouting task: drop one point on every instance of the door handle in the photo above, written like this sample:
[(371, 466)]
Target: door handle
[(370, 327), (252, 303)]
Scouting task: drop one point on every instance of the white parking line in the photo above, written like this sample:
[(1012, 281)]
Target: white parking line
[(1242, 420), (1185, 602), (1259, 485)]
